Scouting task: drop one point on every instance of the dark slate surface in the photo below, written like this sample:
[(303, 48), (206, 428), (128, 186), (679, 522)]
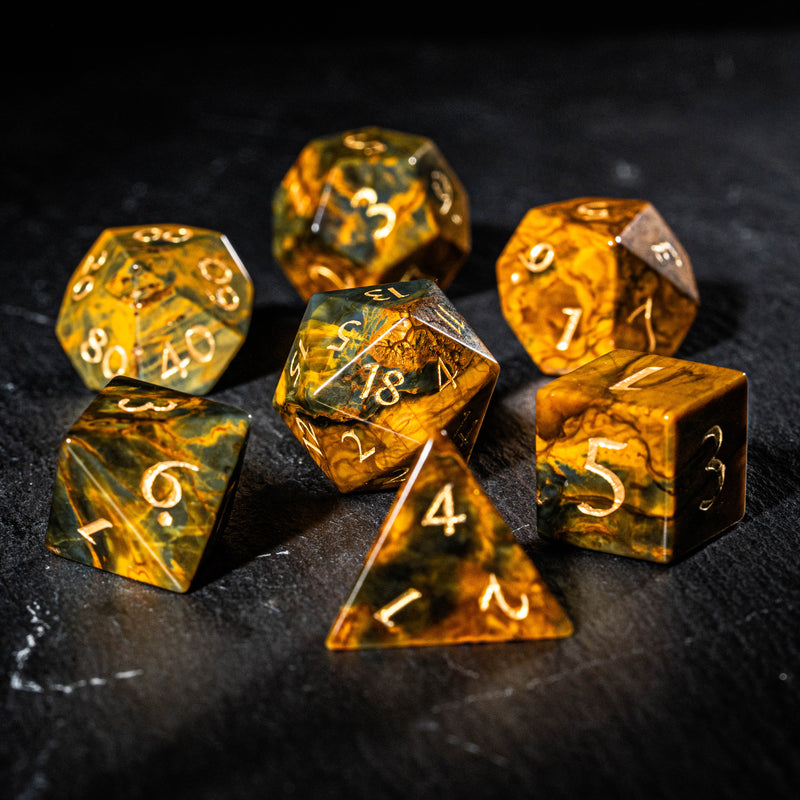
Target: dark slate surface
[(680, 681)]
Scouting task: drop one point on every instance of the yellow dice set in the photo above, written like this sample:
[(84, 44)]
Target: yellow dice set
[(386, 386)]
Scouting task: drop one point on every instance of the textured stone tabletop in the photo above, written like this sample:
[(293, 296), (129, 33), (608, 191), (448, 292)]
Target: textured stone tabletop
[(679, 681)]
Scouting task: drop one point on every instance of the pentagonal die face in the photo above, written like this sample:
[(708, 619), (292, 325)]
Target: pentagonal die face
[(373, 371), (366, 207), (167, 304), (580, 278)]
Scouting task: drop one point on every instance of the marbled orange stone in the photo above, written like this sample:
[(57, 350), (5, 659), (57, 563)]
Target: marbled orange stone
[(582, 277), (445, 569), (145, 481), (373, 371), (641, 455), (165, 304), (369, 206)]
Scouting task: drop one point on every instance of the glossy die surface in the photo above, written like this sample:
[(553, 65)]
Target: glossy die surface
[(445, 569), (641, 455), (166, 304), (145, 480), (580, 278), (369, 206), (373, 371)]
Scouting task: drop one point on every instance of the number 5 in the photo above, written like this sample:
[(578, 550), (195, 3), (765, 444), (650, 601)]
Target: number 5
[(605, 473)]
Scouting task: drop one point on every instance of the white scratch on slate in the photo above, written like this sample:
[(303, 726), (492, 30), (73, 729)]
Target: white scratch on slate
[(26, 313), (19, 682), (476, 750)]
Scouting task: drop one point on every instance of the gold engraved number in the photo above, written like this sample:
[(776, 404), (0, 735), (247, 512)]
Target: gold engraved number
[(596, 209), (174, 496), (85, 282), (646, 309), (155, 234), (573, 317), (442, 188), (442, 370), (391, 379), (384, 615), (148, 406), (220, 274), (316, 271), (443, 501), (396, 476), (714, 465), (451, 319), (494, 590), (93, 351), (362, 456), (309, 437), (178, 364), (375, 209), (626, 384), (294, 364), (344, 336), (91, 528), (666, 252), (607, 475), (377, 294), (539, 258), (356, 141)]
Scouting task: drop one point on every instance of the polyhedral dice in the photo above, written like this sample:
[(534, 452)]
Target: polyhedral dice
[(373, 371), (641, 455), (583, 277), (166, 304), (145, 481), (369, 206), (445, 569)]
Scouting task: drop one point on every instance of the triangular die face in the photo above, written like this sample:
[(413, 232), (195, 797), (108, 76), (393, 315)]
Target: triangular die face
[(437, 311), (386, 295), (410, 365), (445, 569), (464, 428), (333, 333), (650, 238)]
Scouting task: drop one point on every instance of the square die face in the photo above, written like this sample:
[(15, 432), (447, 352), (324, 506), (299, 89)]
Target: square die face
[(625, 444), (143, 482), (711, 471)]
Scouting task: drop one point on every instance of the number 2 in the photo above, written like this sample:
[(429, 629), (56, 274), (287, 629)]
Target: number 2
[(362, 456)]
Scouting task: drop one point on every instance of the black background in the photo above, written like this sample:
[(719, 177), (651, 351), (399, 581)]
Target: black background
[(679, 681)]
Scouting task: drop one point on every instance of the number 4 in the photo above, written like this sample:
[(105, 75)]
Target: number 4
[(443, 501)]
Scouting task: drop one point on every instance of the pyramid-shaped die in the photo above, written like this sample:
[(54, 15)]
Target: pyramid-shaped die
[(445, 569)]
